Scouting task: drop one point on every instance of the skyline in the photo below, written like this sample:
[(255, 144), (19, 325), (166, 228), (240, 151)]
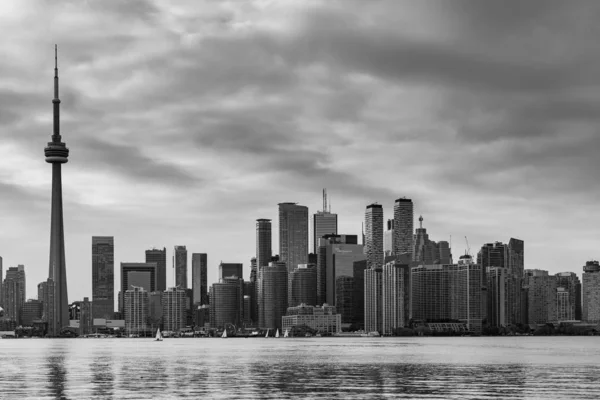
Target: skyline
[(322, 115)]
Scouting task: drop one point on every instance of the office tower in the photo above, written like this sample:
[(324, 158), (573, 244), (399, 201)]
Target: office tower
[(388, 238), (272, 294), (103, 277), (173, 304), (180, 263), (57, 154), (591, 292), (263, 242), (324, 223), (427, 252), (395, 296), (199, 271), (541, 296), (85, 316), (322, 319), (571, 285), (373, 309), (136, 274), (496, 295), (227, 270), (430, 293), (374, 235), (42, 289), (516, 267), (254, 290), (304, 285), (359, 268), (403, 226), (155, 310), (136, 311), (160, 258), (227, 302), (31, 311), (14, 293), (467, 295), (1, 280), (246, 320), (293, 235)]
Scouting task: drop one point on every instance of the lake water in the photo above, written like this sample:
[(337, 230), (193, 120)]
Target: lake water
[(454, 367)]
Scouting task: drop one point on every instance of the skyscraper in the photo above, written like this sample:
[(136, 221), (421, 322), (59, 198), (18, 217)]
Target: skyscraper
[(199, 271), (293, 235), (272, 294), (1, 280), (14, 293), (160, 258), (541, 296), (591, 292), (388, 238), (373, 309), (570, 284), (57, 154), (324, 223), (227, 270), (263, 242), (427, 252), (395, 296), (103, 277), (139, 275), (137, 311), (180, 267), (174, 309), (374, 235), (403, 226), (304, 285), (227, 303)]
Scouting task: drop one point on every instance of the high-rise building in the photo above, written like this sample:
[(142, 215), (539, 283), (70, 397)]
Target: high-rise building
[(174, 309), (155, 310), (199, 285), (324, 223), (541, 296), (403, 226), (272, 294), (227, 270), (57, 153), (137, 311), (395, 296), (322, 319), (591, 292), (159, 257), (254, 291), (227, 302), (1, 280), (139, 275), (427, 252), (359, 268), (31, 311), (373, 309), (103, 277), (388, 238), (293, 235), (571, 285), (14, 293), (374, 235), (264, 251), (304, 285), (180, 262)]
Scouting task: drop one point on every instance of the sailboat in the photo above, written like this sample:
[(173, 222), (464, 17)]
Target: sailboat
[(224, 335), (267, 335), (286, 333), (159, 336), (277, 333)]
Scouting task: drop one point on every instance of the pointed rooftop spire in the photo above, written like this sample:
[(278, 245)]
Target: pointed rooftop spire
[(421, 221), (56, 101)]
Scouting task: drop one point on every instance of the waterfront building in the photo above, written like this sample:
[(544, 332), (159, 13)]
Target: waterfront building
[(591, 292), (272, 294), (137, 311), (358, 275), (304, 285), (199, 278), (324, 223), (403, 226), (541, 296), (57, 153), (388, 238), (180, 261), (571, 285), (373, 296), (174, 309), (136, 274), (395, 296), (264, 250), (1, 281), (322, 319), (227, 302), (14, 291), (159, 257), (373, 247), (293, 237), (103, 277), (31, 311), (468, 295), (227, 270), (430, 292), (155, 310), (497, 281)]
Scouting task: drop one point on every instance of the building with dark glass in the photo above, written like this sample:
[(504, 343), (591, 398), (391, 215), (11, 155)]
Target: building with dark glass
[(373, 247), (227, 303), (14, 292), (180, 262), (272, 294), (159, 257), (304, 285), (227, 270), (141, 275), (103, 277), (199, 278)]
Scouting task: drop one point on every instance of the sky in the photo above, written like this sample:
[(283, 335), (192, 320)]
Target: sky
[(188, 120)]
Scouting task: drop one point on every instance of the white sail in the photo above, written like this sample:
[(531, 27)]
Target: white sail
[(158, 335), (286, 333), (267, 335), (277, 333), (224, 335)]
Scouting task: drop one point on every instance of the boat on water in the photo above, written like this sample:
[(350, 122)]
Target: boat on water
[(277, 333), (267, 335), (224, 335), (286, 333), (159, 336)]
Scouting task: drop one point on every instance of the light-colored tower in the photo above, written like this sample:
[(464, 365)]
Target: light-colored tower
[(103, 277), (137, 311), (403, 226), (174, 306), (264, 251), (395, 296), (14, 286), (374, 235), (57, 154), (541, 296)]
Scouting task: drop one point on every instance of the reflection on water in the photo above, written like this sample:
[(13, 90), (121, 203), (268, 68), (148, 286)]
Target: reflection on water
[(301, 368)]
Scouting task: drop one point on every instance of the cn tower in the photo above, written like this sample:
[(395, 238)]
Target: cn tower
[(57, 312)]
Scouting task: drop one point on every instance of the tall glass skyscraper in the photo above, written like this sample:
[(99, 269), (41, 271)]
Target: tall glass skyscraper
[(180, 264), (103, 277), (374, 235), (263, 242), (272, 294), (403, 226), (199, 286), (159, 257), (293, 237)]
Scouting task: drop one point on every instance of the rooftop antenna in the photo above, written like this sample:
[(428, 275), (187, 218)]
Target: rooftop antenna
[(330, 205), (324, 200), (468, 247)]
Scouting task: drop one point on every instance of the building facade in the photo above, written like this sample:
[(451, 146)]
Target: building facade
[(174, 309), (14, 291), (159, 257), (541, 296), (228, 270), (322, 319), (272, 294), (137, 311), (324, 223), (180, 262), (395, 296), (403, 226), (373, 295), (388, 238), (103, 276), (591, 292), (571, 285), (264, 249), (227, 303), (141, 275), (304, 285), (199, 278), (373, 247), (293, 236)]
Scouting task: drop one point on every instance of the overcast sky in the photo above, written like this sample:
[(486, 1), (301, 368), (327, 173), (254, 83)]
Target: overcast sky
[(188, 120)]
